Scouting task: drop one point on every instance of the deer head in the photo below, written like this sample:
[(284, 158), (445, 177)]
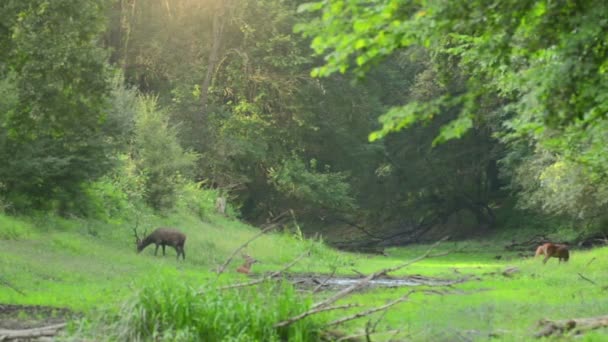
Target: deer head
[(138, 239)]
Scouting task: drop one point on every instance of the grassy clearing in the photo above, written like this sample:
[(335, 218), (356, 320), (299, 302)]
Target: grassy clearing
[(91, 267)]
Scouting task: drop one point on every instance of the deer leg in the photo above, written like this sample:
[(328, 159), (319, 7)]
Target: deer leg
[(163, 249), (183, 253), (545, 259), (156, 250)]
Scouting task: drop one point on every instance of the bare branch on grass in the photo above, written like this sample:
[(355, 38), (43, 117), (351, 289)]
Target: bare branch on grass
[(312, 312), (587, 279), (27, 334), (358, 273), (375, 275), (368, 335), (318, 288), (372, 310), (11, 286), (574, 326), (318, 306)]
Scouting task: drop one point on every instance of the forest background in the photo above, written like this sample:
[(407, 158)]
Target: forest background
[(111, 108)]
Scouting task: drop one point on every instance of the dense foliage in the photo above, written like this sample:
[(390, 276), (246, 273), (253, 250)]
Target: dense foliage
[(537, 69), (135, 104)]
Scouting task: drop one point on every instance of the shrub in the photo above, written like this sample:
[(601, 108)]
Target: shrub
[(171, 310)]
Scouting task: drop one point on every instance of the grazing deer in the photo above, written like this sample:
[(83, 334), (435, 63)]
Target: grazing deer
[(553, 250), (163, 237), (245, 268)]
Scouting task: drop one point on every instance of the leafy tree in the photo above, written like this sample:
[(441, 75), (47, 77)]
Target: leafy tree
[(542, 64), (158, 155), (53, 135)]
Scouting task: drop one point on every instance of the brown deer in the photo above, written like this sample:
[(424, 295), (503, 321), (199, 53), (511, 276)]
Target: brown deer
[(245, 268), (163, 237), (553, 250)]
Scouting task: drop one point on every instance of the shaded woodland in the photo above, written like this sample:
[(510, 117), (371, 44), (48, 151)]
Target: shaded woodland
[(387, 122)]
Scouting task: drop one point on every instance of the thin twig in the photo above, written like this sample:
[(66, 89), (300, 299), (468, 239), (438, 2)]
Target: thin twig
[(590, 261), (587, 279), (358, 273), (222, 268), (355, 336), (312, 312), (12, 287), (319, 306), (378, 320), (318, 288), (371, 311), (270, 276)]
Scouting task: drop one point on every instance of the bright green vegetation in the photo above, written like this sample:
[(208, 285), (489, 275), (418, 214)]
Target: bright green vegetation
[(476, 119), (58, 262)]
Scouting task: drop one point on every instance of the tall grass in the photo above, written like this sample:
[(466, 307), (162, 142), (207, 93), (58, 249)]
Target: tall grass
[(169, 310)]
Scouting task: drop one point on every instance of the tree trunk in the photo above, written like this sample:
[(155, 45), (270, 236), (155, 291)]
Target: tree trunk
[(219, 21)]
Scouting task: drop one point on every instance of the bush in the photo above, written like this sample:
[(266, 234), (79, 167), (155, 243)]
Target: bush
[(169, 310), (158, 155)]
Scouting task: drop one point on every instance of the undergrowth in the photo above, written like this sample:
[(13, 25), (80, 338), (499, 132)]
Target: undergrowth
[(170, 310)]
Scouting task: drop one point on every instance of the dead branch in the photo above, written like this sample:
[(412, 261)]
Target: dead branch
[(358, 273), (319, 306), (375, 325), (51, 330), (372, 276), (356, 336), (590, 261), (587, 279), (574, 325), (371, 311), (222, 268), (318, 288), (312, 312), (270, 276), (11, 286)]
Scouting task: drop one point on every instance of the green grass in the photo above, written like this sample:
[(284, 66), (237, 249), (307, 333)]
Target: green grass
[(92, 268)]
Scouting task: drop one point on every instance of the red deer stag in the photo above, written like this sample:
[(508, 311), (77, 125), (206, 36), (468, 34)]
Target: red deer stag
[(163, 237), (245, 268), (553, 250)]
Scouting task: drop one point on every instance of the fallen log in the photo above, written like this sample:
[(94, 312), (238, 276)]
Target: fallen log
[(574, 326), (48, 331)]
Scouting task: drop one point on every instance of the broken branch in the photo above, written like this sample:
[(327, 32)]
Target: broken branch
[(51, 330), (574, 325), (371, 311), (312, 312), (372, 276)]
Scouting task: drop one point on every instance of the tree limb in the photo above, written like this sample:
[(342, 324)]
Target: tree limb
[(312, 312), (587, 279), (371, 311), (372, 276), (574, 325), (355, 336), (11, 286), (27, 334), (318, 288)]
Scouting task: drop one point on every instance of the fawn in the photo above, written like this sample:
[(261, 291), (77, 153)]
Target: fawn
[(245, 268)]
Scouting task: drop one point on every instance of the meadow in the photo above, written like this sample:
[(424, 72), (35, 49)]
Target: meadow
[(92, 269)]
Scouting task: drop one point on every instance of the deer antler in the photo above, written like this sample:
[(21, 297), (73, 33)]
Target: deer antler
[(137, 238)]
